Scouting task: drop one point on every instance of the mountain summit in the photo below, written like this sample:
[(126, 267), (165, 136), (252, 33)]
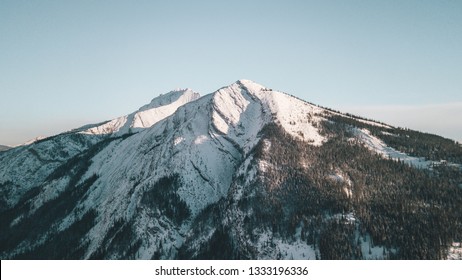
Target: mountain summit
[(245, 172)]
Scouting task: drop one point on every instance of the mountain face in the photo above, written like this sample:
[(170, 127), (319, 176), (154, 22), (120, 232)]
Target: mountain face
[(243, 173)]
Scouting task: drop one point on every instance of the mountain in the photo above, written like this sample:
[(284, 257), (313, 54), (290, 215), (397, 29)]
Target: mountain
[(245, 172)]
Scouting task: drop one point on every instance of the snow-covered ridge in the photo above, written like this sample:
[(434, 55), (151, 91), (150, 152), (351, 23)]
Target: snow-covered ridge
[(185, 95), (158, 109), (260, 105), (238, 115), (239, 111), (28, 142), (4, 148), (297, 117)]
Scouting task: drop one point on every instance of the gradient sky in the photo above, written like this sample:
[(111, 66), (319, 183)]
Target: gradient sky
[(64, 64)]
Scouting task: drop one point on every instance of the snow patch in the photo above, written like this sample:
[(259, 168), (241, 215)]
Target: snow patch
[(38, 138), (266, 145), (178, 140), (372, 123), (271, 247), (372, 252), (341, 178), (455, 251), (201, 139), (378, 146), (388, 133)]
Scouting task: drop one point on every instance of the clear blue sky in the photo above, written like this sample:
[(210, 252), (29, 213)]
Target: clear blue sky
[(67, 63)]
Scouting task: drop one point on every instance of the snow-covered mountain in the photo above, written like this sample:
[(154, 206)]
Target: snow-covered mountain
[(243, 172)]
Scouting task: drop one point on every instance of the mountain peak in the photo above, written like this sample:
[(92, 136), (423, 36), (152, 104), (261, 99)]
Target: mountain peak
[(250, 85), (158, 109), (167, 98), (246, 81)]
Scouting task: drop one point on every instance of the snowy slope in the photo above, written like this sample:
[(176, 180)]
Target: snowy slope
[(376, 145), (28, 166)]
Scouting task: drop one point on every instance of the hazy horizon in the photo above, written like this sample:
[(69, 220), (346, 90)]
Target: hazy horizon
[(64, 64)]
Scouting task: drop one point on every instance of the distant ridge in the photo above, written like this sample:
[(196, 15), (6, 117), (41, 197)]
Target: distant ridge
[(4, 148)]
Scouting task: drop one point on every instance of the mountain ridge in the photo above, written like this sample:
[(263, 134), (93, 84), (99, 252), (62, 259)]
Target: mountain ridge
[(147, 115), (4, 148)]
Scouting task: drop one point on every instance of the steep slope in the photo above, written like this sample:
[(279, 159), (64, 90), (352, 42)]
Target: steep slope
[(244, 172)]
